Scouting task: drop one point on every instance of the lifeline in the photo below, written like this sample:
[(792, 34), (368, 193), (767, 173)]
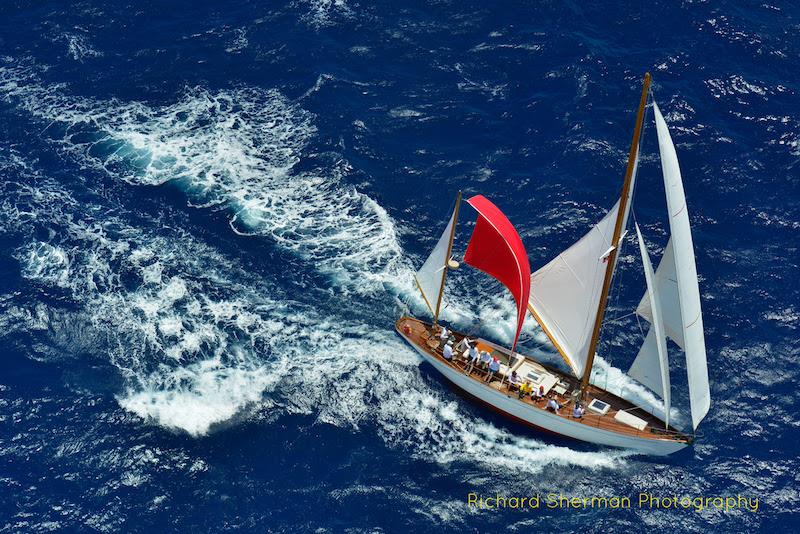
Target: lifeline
[(644, 500)]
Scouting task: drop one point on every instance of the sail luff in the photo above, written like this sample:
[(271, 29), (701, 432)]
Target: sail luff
[(447, 258), (424, 297), (657, 326), (686, 274), (621, 218)]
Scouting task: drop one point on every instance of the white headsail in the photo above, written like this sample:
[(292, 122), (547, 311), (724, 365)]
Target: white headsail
[(666, 284), (685, 275), (651, 366), (430, 277)]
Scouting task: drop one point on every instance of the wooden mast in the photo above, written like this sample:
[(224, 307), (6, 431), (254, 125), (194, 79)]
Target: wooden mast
[(612, 257), (447, 259)]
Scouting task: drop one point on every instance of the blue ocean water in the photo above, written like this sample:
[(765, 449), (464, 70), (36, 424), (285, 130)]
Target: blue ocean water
[(210, 214)]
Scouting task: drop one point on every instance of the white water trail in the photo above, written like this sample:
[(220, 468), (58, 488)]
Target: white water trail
[(235, 149), (199, 340)]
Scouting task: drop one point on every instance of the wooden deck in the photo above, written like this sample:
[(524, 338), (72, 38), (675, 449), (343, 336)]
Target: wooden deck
[(420, 333)]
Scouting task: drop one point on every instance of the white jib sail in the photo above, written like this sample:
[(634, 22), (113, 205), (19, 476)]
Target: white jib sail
[(686, 274), (429, 277), (651, 366), (666, 284)]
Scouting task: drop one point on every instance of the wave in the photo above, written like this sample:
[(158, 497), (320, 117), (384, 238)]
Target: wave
[(239, 150)]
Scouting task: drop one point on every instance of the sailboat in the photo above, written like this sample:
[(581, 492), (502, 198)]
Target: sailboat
[(568, 297)]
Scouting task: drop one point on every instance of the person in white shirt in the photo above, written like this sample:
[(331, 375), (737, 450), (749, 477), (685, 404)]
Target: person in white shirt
[(444, 334), (474, 356), (577, 412), (494, 367), (553, 406), (463, 345), (514, 381), (447, 352)]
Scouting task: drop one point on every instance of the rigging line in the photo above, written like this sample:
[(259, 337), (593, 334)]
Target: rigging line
[(639, 323), (622, 317), (616, 289), (621, 244)]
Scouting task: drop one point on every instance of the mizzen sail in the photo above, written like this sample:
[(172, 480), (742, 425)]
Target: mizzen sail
[(431, 276), (496, 249)]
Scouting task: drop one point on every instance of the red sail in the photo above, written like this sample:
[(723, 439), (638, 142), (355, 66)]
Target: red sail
[(496, 249)]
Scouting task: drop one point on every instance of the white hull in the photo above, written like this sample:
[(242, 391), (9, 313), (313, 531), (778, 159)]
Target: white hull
[(509, 405)]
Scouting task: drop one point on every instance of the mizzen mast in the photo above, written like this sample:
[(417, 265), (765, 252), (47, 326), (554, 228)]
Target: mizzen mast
[(612, 256), (447, 259), (431, 276)]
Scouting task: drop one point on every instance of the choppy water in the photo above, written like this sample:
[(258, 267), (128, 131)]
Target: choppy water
[(209, 217)]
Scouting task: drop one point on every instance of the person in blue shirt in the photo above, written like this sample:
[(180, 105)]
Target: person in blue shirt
[(485, 359), (494, 367), (474, 356)]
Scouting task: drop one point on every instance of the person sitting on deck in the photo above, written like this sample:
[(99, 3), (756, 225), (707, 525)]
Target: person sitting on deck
[(577, 412), (447, 352), (553, 406), (513, 380), (472, 360), (444, 334), (463, 345), (525, 389), (494, 367), (538, 393), (485, 359)]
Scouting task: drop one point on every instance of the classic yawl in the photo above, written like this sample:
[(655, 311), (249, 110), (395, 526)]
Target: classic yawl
[(568, 297)]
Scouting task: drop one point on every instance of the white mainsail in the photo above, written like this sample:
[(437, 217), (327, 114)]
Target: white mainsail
[(430, 276), (651, 366), (686, 274), (565, 293)]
